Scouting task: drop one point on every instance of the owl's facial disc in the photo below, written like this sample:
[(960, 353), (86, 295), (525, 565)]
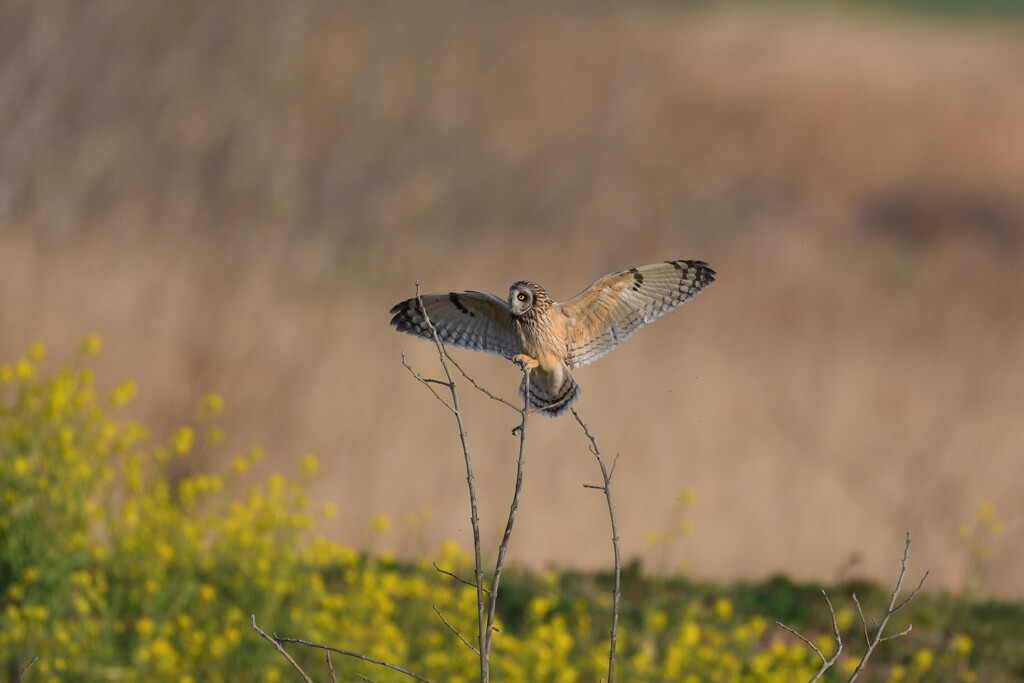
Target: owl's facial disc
[(520, 299)]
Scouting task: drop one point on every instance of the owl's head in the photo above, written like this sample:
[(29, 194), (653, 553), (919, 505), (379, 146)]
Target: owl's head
[(524, 296)]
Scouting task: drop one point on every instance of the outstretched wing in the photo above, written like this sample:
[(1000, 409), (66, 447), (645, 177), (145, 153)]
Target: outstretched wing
[(617, 305), (473, 320)]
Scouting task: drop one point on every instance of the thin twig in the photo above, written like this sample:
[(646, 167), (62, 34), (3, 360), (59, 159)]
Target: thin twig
[(349, 653), (28, 666), (427, 382), (863, 621), (483, 389), (826, 663), (458, 578), (483, 627), (330, 667), (892, 609), (606, 475), (485, 648), (280, 649), (455, 631)]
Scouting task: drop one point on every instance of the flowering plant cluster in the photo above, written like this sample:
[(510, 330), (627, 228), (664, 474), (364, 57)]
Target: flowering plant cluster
[(112, 569)]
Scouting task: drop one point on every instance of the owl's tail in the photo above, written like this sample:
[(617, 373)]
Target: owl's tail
[(549, 395)]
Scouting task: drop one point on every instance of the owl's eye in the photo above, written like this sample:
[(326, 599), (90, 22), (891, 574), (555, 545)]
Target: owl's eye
[(521, 296)]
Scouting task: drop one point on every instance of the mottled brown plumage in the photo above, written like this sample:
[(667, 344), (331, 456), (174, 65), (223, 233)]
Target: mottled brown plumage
[(553, 338)]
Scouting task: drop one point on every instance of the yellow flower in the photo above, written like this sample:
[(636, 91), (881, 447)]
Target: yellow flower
[(183, 439), (329, 510), (962, 645), (212, 405), (207, 592), (123, 393), (240, 464), (309, 464), (24, 370), (723, 608), (381, 523), (145, 626), (36, 351), (92, 345), (690, 634), (986, 510), (659, 620), (923, 659)]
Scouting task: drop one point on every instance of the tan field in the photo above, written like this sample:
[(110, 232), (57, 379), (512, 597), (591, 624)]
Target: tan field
[(234, 194)]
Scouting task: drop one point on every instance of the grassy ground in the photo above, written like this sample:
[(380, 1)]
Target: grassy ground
[(234, 194)]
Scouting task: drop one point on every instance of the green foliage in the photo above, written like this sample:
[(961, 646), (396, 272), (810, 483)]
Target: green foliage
[(959, 10), (110, 569)]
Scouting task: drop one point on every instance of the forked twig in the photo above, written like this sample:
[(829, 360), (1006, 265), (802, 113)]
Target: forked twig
[(826, 663), (871, 641), (890, 610), (280, 649), (348, 653), (486, 609), (427, 382), (606, 475)]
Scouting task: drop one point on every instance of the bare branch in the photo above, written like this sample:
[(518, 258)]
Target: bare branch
[(908, 629), (892, 608), (485, 646), (330, 667), (348, 653), (863, 621), (826, 662), (483, 626), (871, 641), (284, 653), (913, 593), (455, 631), (427, 382), (458, 578), (606, 475), (24, 671), (806, 640), (483, 389)]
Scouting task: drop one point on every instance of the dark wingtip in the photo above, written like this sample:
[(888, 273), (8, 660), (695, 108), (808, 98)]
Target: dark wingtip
[(704, 272), (402, 315)]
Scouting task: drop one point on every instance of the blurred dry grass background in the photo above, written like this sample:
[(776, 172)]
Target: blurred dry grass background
[(234, 193)]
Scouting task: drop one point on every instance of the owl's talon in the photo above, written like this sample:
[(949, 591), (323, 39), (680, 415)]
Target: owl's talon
[(525, 362)]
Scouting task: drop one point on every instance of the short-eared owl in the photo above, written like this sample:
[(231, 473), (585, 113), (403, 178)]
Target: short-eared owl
[(555, 338)]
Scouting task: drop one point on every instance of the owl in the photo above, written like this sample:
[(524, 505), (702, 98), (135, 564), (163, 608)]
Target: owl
[(550, 338)]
